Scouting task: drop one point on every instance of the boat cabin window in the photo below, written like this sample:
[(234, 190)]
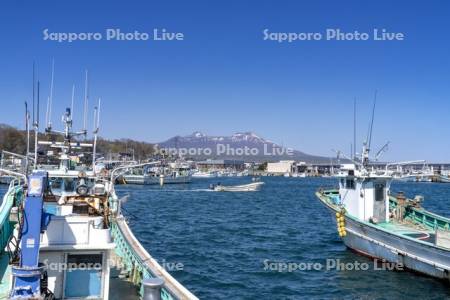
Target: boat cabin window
[(379, 192), (56, 183), (68, 185), (350, 184)]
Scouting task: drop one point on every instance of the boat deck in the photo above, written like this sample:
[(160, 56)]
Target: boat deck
[(410, 230), (5, 276), (121, 288)]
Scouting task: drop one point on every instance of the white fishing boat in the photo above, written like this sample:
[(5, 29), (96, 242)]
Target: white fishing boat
[(444, 179), (415, 177), (395, 229), (251, 187), (299, 175), (205, 174), (64, 235), (156, 175), (6, 179)]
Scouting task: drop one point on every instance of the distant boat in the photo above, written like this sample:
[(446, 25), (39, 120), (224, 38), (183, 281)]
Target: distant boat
[(299, 175), (200, 174), (167, 176), (241, 174), (444, 179), (6, 179), (415, 177), (424, 175), (251, 187)]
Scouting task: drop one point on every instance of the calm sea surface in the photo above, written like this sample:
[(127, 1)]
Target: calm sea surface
[(227, 244)]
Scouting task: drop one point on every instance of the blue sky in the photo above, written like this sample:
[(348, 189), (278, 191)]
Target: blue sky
[(223, 77)]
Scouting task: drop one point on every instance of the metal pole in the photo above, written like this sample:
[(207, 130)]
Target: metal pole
[(36, 130), (152, 288)]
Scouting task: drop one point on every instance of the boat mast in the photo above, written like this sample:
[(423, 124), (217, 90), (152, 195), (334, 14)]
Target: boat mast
[(354, 129), (49, 124), (367, 144), (73, 97), (36, 128), (96, 129), (27, 128), (86, 99)]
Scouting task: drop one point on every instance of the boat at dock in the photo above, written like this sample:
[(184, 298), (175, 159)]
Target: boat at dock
[(6, 179), (64, 235), (173, 174), (205, 174), (251, 187), (444, 179), (376, 223)]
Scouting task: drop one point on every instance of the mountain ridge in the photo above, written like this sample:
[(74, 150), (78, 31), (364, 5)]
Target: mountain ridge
[(244, 145)]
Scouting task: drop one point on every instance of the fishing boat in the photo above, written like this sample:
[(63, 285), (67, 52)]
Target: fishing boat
[(299, 175), (6, 179), (205, 174), (374, 222), (156, 175), (426, 174), (251, 187), (64, 235), (415, 177), (444, 179)]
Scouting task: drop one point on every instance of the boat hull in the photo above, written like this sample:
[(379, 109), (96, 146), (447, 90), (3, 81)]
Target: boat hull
[(252, 187)]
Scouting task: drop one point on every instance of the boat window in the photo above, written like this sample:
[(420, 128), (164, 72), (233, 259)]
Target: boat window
[(379, 192), (84, 260), (56, 183), (69, 185), (350, 184)]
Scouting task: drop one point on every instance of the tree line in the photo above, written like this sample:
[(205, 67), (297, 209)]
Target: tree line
[(14, 140)]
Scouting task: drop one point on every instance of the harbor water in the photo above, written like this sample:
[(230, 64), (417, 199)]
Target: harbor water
[(226, 245)]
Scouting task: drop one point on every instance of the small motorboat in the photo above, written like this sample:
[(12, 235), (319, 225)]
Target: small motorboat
[(251, 187)]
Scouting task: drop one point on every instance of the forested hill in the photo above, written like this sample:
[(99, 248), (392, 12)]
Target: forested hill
[(14, 140)]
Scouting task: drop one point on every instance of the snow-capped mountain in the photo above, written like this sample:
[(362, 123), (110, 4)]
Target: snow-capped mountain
[(246, 146)]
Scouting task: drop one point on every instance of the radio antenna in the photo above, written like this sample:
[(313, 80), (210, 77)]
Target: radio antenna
[(354, 128), (50, 101), (27, 128), (369, 134), (86, 99), (73, 97), (36, 127), (34, 83), (96, 129)]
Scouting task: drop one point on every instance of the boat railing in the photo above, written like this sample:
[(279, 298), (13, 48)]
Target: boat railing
[(15, 174), (424, 217), (140, 265), (13, 196)]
